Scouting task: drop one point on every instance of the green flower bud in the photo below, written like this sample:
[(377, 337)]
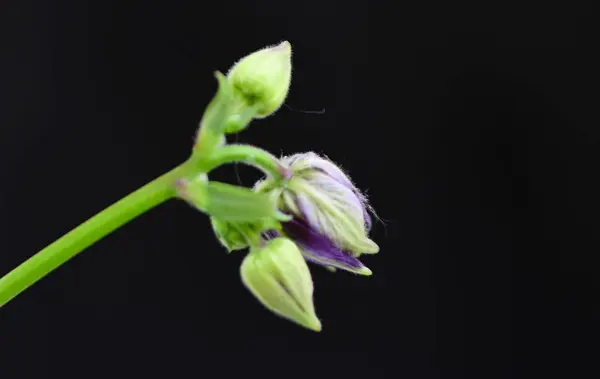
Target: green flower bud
[(229, 235), (239, 235), (279, 277), (262, 79)]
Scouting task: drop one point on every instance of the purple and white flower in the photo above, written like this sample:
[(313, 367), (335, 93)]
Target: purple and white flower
[(331, 216)]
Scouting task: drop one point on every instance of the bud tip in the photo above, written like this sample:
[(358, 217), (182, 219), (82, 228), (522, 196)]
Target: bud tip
[(314, 324), (284, 46), (365, 271)]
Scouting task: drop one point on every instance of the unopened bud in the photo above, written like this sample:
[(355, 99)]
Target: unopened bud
[(280, 279), (229, 235), (262, 79)]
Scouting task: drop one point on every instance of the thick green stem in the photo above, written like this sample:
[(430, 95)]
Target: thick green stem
[(86, 234)]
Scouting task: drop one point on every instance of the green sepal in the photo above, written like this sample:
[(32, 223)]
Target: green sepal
[(227, 202), (239, 121), (230, 235), (239, 204), (240, 235)]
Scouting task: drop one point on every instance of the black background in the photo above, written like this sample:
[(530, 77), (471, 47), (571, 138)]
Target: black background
[(474, 129)]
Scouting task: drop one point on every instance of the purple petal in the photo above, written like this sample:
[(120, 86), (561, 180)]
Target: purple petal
[(319, 249), (270, 234), (308, 212)]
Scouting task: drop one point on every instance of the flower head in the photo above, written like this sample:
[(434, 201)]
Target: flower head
[(279, 278), (262, 79), (330, 214)]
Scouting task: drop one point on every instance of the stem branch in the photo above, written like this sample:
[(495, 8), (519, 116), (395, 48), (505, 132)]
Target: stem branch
[(250, 155)]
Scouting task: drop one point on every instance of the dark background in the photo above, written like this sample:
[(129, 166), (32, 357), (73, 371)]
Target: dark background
[(474, 129)]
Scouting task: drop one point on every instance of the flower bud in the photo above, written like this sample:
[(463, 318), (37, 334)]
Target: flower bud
[(330, 214), (229, 235), (238, 235), (279, 278), (262, 79)]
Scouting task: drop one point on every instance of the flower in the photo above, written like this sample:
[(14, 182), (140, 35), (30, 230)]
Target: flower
[(262, 79), (330, 214), (280, 279)]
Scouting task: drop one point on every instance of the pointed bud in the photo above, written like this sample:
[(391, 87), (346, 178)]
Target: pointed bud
[(262, 79), (279, 278)]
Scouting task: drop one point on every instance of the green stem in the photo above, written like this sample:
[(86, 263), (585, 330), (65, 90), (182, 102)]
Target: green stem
[(128, 208), (86, 234), (253, 156)]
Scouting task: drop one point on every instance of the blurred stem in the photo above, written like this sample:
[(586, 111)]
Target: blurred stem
[(89, 232)]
